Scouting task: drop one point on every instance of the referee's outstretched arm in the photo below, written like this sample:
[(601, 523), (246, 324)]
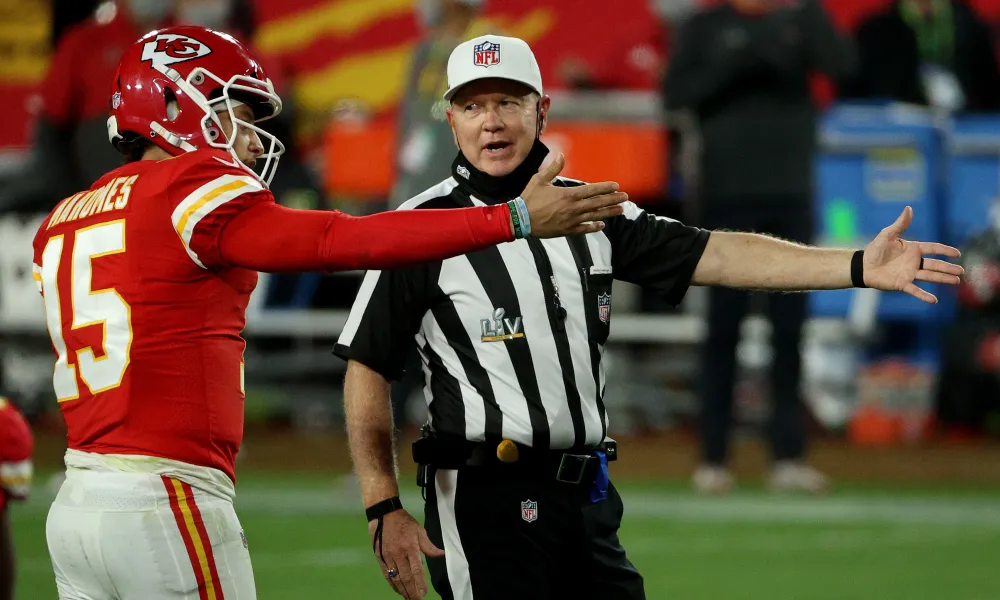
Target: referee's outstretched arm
[(890, 263), (398, 539)]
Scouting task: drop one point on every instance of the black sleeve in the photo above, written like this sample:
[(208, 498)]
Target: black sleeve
[(655, 252), (386, 316), (701, 70)]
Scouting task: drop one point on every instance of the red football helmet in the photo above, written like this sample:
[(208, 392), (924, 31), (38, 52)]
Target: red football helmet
[(171, 83)]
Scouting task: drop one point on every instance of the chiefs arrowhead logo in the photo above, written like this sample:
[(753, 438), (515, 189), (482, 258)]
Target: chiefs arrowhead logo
[(172, 48)]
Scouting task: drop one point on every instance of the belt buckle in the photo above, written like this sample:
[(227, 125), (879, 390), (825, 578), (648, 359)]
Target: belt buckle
[(572, 467)]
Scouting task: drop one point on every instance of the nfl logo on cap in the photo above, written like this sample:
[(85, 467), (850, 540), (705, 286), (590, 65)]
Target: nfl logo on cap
[(517, 63), (486, 54)]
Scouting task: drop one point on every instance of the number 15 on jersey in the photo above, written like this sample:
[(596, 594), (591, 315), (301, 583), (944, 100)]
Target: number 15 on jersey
[(66, 279)]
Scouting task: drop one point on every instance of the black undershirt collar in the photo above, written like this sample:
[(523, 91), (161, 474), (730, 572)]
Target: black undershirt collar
[(495, 190)]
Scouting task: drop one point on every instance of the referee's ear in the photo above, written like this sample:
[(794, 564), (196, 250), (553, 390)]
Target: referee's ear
[(449, 112), (542, 114)]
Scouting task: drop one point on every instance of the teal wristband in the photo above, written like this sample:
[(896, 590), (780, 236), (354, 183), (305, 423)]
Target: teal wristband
[(522, 210), (515, 219)]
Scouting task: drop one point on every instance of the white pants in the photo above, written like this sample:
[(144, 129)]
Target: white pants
[(130, 536)]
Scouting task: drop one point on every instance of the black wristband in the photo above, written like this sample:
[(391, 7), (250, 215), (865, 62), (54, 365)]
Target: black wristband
[(381, 509), (858, 269)]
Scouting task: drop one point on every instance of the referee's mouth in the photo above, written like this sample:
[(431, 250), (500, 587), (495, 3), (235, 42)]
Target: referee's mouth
[(498, 150)]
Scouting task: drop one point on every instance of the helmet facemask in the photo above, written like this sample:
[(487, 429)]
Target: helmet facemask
[(259, 95)]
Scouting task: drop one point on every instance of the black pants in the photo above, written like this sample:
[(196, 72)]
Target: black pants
[(569, 550), (789, 219)]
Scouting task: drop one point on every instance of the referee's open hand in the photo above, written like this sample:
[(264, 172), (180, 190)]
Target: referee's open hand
[(558, 211), (403, 540), (894, 264)]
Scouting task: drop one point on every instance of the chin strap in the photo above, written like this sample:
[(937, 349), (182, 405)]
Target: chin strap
[(172, 138)]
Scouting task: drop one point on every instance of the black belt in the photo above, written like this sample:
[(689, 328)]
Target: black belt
[(571, 466)]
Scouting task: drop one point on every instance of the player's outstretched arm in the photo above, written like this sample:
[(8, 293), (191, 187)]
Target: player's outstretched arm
[(268, 237), (275, 239), (401, 540)]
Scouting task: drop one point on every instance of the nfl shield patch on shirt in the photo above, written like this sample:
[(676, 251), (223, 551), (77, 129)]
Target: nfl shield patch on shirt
[(604, 307), (529, 510)]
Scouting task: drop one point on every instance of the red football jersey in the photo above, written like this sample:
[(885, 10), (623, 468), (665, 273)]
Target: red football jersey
[(144, 314), (15, 454)]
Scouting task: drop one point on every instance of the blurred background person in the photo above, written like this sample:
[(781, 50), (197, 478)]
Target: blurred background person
[(968, 388), (929, 52), (16, 469), (426, 148), (70, 148), (743, 69)]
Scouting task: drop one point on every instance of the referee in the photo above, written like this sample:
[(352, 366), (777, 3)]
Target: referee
[(514, 459)]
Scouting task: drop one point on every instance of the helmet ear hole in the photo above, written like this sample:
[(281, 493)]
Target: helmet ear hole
[(173, 107)]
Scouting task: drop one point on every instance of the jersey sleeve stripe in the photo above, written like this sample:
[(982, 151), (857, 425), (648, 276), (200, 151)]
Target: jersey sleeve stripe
[(201, 202), (360, 308), (36, 274), (632, 212)]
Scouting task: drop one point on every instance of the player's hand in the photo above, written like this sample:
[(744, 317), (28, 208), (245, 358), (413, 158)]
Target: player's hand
[(403, 541), (894, 264), (558, 211)]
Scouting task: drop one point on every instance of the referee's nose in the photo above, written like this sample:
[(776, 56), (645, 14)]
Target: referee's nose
[(492, 122)]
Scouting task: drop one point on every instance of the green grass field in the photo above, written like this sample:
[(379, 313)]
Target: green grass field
[(308, 540)]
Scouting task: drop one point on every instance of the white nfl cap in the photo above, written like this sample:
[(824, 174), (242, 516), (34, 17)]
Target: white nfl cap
[(492, 56)]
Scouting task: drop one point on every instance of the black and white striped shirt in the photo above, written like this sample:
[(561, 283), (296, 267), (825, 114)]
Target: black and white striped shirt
[(512, 337)]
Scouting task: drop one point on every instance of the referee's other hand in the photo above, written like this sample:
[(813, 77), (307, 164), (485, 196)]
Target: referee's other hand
[(559, 211), (403, 541)]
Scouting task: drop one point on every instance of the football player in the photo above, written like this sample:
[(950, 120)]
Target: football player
[(146, 277), (15, 480)]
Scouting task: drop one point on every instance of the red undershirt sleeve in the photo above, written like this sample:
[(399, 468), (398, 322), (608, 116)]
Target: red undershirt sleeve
[(274, 239)]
